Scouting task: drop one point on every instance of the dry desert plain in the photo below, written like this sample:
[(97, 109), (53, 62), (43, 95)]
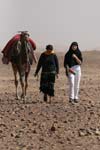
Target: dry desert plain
[(36, 125)]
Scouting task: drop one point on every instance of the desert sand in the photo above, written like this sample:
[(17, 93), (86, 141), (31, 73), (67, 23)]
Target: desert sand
[(36, 125)]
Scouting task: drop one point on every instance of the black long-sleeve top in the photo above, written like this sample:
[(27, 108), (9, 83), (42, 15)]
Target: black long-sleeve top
[(69, 60), (48, 63)]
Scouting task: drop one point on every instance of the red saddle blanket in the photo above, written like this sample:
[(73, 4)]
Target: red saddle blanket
[(8, 46)]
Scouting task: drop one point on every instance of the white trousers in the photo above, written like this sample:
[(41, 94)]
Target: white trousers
[(74, 81)]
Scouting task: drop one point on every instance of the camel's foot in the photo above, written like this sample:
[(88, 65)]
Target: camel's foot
[(24, 100), (17, 97), (23, 97)]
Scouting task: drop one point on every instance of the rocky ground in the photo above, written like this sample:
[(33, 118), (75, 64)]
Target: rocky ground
[(36, 125)]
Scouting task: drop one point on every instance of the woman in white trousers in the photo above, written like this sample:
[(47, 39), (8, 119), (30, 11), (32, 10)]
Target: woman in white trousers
[(72, 63)]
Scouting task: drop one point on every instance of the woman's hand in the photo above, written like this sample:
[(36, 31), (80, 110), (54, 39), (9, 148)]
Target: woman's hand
[(77, 59), (66, 72), (36, 75), (74, 56)]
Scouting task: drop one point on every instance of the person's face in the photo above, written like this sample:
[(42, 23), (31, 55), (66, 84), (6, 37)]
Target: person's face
[(49, 50), (74, 47)]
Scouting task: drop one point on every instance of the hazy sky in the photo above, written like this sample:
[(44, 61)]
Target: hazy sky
[(58, 22)]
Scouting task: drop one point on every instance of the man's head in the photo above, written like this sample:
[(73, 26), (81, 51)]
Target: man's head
[(49, 47)]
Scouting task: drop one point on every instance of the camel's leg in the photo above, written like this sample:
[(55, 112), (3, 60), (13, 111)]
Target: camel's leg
[(22, 86), (26, 83), (16, 80), (26, 80), (21, 76)]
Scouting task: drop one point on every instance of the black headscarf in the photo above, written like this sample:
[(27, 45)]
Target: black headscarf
[(71, 51), (68, 57)]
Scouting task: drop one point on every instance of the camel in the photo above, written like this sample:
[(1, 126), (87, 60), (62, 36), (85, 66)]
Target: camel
[(21, 58)]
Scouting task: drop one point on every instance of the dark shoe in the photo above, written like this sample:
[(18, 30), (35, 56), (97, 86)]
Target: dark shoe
[(71, 100), (76, 100), (45, 97)]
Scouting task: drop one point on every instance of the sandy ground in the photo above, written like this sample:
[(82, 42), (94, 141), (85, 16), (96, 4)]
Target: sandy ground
[(36, 125)]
